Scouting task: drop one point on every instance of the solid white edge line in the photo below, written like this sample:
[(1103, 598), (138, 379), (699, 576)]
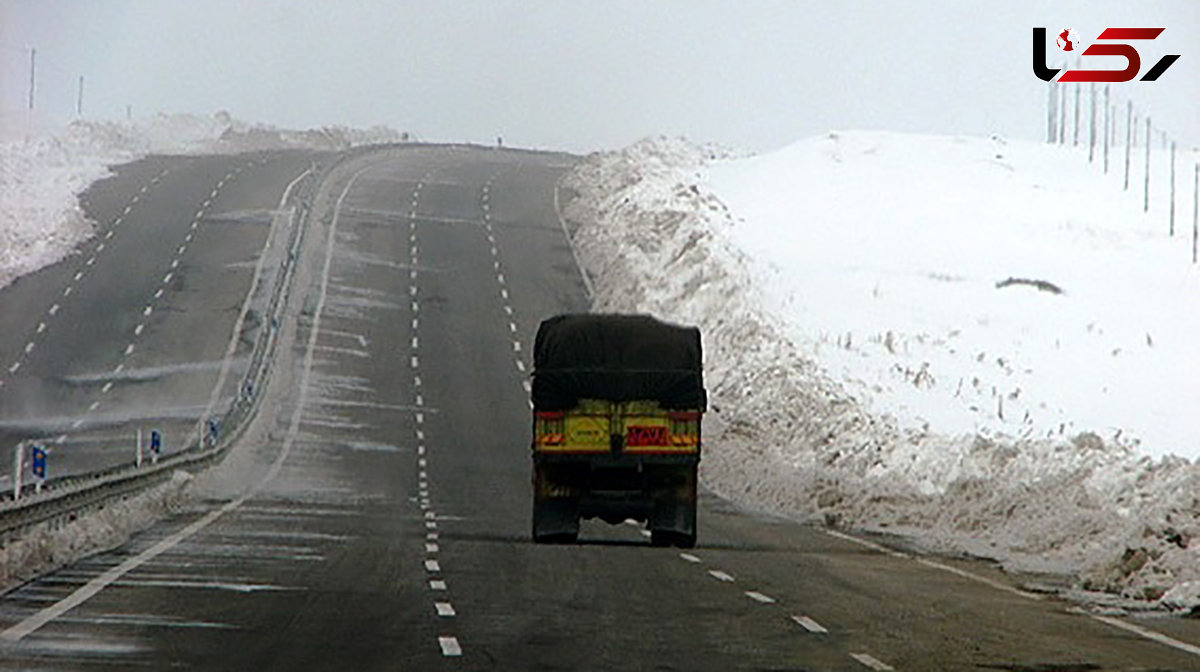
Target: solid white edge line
[(587, 281), (1148, 634)]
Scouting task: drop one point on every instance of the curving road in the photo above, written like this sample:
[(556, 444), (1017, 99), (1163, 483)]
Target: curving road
[(376, 516)]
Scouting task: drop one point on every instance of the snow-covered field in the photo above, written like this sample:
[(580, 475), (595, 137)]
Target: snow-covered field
[(982, 345), (41, 176)]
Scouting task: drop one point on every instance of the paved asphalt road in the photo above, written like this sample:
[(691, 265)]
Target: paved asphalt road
[(130, 331), (385, 524)]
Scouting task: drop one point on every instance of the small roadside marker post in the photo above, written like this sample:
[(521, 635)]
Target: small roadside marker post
[(37, 456), (138, 461), (18, 467)]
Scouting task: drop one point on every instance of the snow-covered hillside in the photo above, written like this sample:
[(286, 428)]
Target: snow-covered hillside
[(984, 345), (41, 176)]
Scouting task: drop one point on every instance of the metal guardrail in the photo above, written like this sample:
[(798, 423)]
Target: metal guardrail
[(66, 497)]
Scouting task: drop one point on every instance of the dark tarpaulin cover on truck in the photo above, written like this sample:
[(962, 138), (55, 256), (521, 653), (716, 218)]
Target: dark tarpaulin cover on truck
[(618, 358)]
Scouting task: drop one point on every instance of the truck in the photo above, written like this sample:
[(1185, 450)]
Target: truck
[(617, 408)]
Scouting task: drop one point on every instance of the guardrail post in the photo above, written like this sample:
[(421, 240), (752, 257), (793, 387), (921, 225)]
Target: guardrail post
[(18, 467), (138, 462)]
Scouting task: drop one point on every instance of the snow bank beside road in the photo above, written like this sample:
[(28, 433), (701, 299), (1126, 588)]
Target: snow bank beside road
[(41, 178), (832, 237)]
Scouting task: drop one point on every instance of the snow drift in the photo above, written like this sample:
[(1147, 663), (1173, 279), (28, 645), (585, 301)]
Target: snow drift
[(967, 341)]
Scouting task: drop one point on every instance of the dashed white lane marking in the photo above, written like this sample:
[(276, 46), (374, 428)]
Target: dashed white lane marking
[(420, 400), (29, 347), (810, 625), (430, 515), (174, 263), (158, 294), (504, 294), (520, 365), (416, 381), (416, 307), (759, 597), (15, 367), (78, 275), (77, 424), (93, 406), (415, 342), (137, 331), (528, 387), (415, 362), (689, 557), (41, 327), (54, 309), (432, 566), (420, 435), (147, 310), (516, 346), (422, 462), (67, 290), (90, 261), (129, 349), (871, 662), (107, 386), (444, 609), (109, 235), (431, 524), (512, 326), (720, 576), (437, 584), (508, 309), (450, 646), (500, 278)]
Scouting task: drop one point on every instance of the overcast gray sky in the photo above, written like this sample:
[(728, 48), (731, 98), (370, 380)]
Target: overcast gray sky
[(581, 75)]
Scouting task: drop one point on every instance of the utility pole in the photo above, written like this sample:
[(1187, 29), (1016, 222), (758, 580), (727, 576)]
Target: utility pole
[(1075, 137), (1128, 138), (1106, 132), (1172, 215), (32, 76), (1146, 190), (1092, 125)]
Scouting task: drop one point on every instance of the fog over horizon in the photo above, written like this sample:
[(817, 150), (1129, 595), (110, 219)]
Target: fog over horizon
[(581, 76)]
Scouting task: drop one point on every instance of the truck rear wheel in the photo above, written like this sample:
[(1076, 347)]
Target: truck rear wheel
[(555, 521)]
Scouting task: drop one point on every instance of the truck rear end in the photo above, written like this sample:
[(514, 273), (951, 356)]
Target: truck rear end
[(618, 403)]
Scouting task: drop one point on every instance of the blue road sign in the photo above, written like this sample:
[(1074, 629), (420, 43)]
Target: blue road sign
[(214, 430), (155, 441), (39, 461)]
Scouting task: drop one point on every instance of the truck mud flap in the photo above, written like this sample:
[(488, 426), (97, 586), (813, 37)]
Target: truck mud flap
[(673, 518)]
